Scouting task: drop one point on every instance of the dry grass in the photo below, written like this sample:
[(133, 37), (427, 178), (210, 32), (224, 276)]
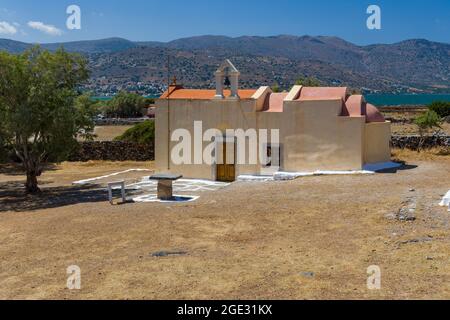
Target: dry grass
[(434, 154), (247, 241), (412, 129), (108, 133), (407, 127)]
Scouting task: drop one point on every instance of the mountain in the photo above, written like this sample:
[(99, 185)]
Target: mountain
[(13, 46), (195, 68), (415, 62), (88, 46), (405, 66), (329, 49), (94, 46)]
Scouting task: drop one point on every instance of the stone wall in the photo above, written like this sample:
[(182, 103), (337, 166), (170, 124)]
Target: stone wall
[(120, 121), (412, 142), (113, 151), (127, 151)]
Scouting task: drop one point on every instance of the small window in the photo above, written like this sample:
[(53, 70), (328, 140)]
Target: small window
[(273, 156)]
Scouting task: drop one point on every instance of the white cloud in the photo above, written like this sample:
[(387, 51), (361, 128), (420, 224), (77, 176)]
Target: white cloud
[(6, 28), (48, 29)]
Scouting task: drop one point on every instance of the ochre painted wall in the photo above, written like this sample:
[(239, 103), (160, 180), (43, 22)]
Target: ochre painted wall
[(214, 114), (313, 135), (377, 142)]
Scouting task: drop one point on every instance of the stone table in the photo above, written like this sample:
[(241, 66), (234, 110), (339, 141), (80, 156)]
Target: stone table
[(165, 185)]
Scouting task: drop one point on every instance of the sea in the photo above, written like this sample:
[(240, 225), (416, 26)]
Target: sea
[(379, 99)]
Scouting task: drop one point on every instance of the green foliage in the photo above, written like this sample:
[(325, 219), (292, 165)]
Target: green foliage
[(428, 121), (3, 148), (86, 110), (41, 112), (307, 82), (141, 133), (126, 105), (442, 108), (276, 88)]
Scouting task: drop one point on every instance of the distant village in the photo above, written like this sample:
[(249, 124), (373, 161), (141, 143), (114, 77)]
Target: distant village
[(109, 87)]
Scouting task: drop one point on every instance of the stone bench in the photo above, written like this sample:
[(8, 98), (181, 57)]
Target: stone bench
[(165, 185)]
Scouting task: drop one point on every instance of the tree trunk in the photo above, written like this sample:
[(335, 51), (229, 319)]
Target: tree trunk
[(31, 185), (421, 141)]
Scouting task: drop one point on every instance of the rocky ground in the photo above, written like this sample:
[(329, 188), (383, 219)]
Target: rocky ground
[(312, 238)]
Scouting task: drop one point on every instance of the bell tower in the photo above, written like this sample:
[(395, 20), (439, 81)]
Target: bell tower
[(227, 75)]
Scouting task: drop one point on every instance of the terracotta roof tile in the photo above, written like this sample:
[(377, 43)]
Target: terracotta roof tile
[(274, 102), (318, 93), (196, 94)]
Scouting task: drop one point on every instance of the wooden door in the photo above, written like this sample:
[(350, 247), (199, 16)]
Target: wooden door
[(226, 170)]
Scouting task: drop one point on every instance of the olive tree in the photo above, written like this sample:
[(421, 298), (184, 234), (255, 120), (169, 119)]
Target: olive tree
[(41, 110)]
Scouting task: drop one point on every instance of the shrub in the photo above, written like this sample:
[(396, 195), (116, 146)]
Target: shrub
[(426, 122), (143, 133), (307, 82), (276, 88), (126, 105), (442, 108)]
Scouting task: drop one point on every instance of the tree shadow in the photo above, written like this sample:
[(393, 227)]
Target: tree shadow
[(14, 198), (15, 169)]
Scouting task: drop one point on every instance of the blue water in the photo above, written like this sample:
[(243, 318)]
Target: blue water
[(404, 99)]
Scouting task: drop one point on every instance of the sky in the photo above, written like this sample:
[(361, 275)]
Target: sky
[(162, 20)]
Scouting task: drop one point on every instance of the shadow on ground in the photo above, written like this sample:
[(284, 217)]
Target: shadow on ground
[(14, 198), (15, 169), (402, 168)]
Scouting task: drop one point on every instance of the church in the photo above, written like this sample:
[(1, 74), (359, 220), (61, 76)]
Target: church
[(318, 128)]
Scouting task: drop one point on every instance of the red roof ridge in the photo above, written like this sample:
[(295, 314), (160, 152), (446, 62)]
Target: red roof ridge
[(181, 93)]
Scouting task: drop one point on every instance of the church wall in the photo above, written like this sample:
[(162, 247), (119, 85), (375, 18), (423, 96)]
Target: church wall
[(214, 114), (313, 136), (377, 142)]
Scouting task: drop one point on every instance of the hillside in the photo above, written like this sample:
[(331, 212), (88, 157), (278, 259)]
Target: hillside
[(195, 68), (406, 66), (13, 46)]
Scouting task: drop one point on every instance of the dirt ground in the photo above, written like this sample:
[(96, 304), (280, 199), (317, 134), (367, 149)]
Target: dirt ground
[(311, 238)]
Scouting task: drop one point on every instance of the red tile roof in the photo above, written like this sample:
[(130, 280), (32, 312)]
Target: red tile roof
[(274, 102), (318, 93), (195, 94), (356, 106)]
